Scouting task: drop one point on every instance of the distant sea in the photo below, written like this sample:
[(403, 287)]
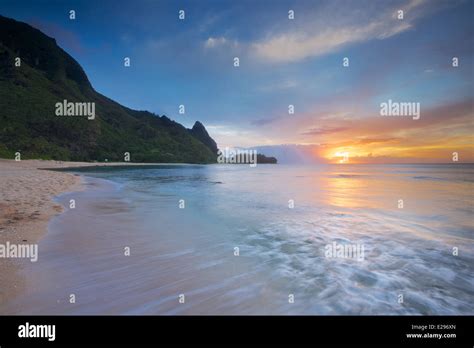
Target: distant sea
[(254, 241)]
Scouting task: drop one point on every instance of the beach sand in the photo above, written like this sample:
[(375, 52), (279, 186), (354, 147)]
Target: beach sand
[(26, 206)]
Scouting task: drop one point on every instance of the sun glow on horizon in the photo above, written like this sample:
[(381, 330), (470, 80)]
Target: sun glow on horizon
[(344, 155)]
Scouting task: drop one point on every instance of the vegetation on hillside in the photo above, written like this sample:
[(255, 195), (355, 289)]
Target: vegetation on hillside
[(48, 75)]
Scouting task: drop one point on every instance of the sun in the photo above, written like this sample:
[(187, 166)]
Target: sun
[(343, 154)]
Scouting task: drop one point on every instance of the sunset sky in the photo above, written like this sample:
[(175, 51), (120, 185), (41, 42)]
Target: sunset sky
[(283, 62)]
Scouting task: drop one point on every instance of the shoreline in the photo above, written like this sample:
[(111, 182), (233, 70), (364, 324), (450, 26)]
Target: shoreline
[(26, 207), (27, 192)]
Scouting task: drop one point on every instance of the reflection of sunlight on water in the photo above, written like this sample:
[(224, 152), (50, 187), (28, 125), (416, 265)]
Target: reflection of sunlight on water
[(346, 192)]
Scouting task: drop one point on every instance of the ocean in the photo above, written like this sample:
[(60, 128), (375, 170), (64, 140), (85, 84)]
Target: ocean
[(274, 239)]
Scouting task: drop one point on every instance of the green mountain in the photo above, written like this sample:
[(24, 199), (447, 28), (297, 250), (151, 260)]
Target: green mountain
[(47, 75)]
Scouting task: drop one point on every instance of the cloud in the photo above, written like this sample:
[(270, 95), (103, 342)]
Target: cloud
[(435, 122), (316, 40), (233, 136), (279, 86), (215, 41), (442, 130), (264, 121), (367, 141), (324, 130)]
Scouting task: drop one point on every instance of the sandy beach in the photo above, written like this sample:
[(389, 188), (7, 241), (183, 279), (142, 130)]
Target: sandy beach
[(26, 206)]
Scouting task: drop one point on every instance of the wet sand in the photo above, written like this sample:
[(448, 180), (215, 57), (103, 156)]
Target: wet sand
[(83, 254), (26, 206)]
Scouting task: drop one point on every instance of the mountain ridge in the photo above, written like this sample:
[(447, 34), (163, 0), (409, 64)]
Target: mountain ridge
[(47, 75)]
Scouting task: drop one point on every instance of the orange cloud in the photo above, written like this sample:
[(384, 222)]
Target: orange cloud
[(433, 138)]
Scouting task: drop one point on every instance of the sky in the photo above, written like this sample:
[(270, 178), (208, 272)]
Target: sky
[(283, 62)]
